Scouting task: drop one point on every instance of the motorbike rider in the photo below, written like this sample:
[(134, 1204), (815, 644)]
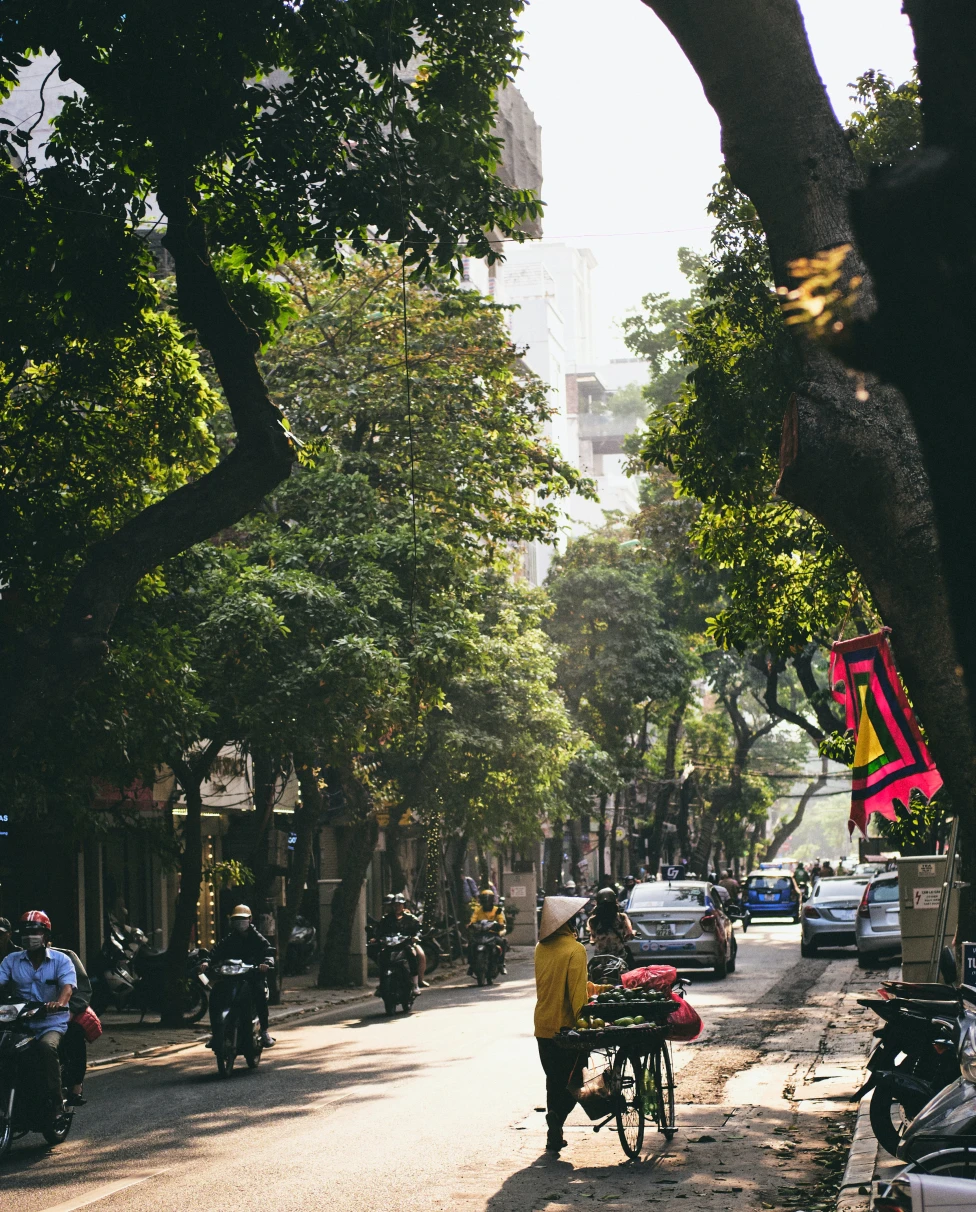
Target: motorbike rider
[(610, 928), (399, 920), (630, 883), (730, 884), (246, 943), (41, 974), (802, 878), (487, 911), (73, 1049)]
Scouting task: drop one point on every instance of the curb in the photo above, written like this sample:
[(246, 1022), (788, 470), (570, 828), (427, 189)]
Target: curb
[(274, 1017), (856, 1185)]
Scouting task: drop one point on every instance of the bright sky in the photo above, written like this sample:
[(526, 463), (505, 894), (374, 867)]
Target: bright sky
[(630, 145)]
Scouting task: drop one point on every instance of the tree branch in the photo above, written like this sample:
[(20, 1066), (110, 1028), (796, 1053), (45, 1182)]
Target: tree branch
[(787, 828)]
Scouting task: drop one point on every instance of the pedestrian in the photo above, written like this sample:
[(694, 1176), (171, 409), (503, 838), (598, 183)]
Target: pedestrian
[(560, 986), (6, 939), (826, 869)]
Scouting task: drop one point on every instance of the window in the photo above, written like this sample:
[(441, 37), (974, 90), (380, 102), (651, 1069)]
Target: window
[(835, 889), (656, 896), (886, 893), (769, 883)]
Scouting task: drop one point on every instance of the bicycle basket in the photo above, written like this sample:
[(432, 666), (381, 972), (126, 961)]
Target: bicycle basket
[(597, 1096), (606, 969)]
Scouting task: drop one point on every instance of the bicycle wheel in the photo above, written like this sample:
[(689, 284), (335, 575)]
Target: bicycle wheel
[(628, 1086), (662, 1075)]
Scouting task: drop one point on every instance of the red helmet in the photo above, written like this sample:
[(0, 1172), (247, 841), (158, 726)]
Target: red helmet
[(36, 916)]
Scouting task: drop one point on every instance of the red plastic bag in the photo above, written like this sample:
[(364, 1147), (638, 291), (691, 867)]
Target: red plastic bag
[(655, 976), (90, 1023), (684, 1021)]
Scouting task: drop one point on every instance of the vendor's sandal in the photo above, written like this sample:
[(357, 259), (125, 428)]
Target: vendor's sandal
[(554, 1144)]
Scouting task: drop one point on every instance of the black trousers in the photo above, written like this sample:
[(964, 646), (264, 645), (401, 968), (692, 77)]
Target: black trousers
[(73, 1051), (562, 1069)]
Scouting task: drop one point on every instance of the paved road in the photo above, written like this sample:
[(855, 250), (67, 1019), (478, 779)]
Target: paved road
[(439, 1109)]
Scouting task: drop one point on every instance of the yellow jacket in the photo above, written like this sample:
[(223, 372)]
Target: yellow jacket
[(494, 914), (560, 982)]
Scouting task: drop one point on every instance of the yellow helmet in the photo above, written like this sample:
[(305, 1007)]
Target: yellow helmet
[(241, 911)]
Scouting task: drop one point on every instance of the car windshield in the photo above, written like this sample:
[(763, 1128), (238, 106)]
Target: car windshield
[(842, 889), (883, 893), (768, 883), (650, 896)]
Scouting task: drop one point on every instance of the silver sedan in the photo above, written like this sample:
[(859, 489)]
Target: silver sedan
[(829, 916), (681, 922)]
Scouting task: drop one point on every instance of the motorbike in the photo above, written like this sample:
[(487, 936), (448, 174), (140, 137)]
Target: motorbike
[(487, 955), (233, 1016), (22, 1107), (129, 974), (396, 981), (302, 943), (916, 1053)]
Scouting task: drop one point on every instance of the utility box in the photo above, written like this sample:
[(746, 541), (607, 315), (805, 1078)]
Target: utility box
[(920, 882), (519, 891)]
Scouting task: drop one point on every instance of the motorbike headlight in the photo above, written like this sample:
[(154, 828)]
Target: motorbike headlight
[(967, 1048), (9, 1013), (229, 969)]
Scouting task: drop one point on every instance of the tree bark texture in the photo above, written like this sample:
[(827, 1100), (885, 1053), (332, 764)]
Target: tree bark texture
[(857, 464), (357, 842), (789, 825)]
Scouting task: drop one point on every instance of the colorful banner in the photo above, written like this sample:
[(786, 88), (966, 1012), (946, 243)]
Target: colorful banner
[(890, 757)]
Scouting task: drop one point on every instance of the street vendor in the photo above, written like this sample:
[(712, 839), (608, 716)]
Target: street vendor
[(560, 984)]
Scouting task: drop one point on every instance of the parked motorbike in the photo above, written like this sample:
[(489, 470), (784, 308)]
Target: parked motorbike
[(396, 982), (916, 1053), (486, 952), (233, 1016), (22, 1104), (302, 943), (129, 974), (949, 1119)]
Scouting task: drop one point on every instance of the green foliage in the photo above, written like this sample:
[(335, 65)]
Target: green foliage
[(228, 873), (615, 654), (91, 436), (887, 128)]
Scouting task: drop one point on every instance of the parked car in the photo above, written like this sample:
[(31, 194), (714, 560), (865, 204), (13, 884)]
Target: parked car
[(682, 922), (773, 893), (878, 922), (830, 913)]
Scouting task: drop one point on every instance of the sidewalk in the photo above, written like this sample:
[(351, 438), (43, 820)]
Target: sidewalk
[(867, 1162), (125, 1038)]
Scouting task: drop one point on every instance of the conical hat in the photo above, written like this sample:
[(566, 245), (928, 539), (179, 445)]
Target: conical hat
[(556, 911)]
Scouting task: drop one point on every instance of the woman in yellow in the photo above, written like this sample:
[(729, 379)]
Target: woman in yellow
[(560, 987)]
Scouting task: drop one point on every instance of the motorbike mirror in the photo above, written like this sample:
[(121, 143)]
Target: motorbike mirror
[(948, 969)]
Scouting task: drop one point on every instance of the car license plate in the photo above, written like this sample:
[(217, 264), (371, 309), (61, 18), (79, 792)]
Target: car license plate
[(664, 930), (769, 896), (844, 915)]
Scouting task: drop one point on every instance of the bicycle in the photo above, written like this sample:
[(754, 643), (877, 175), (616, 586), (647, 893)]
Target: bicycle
[(636, 1083)]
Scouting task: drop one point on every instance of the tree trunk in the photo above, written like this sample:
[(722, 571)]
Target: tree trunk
[(356, 845), (787, 828), (190, 774), (59, 659), (856, 463), (602, 841), (666, 788), (576, 850), (306, 821), (398, 881), (553, 857)]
